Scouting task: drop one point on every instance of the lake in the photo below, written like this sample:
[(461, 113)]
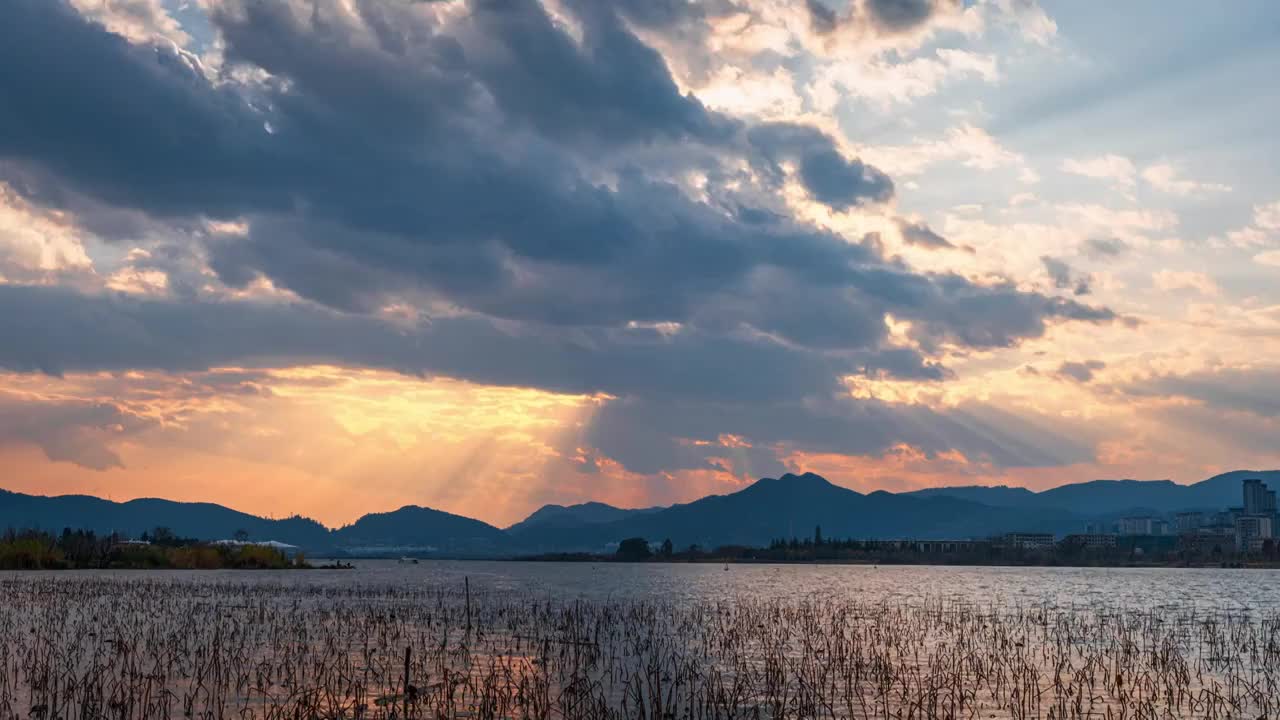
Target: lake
[(597, 640), (1132, 588)]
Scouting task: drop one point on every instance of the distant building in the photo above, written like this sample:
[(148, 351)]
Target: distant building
[(1251, 528), (1091, 541), (948, 546), (1259, 545), (1186, 522), (1141, 525), (1258, 500), (1029, 541), (1208, 541), (1101, 528), (1227, 518), (287, 549)]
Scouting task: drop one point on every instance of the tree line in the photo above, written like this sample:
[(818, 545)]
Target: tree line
[(160, 548)]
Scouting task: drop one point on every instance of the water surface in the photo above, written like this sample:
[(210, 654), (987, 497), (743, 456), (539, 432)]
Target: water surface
[(1131, 588)]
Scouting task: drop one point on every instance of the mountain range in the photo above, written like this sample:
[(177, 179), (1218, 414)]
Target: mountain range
[(789, 506)]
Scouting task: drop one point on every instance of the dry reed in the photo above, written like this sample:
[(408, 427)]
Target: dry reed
[(128, 647)]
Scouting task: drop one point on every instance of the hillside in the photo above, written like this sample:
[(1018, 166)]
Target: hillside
[(201, 520), (415, 528), (789, 506), (794, 505), (572, 516), (1106, 498)]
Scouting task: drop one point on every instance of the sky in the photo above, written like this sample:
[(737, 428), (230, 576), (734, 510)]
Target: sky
[(332, 257)]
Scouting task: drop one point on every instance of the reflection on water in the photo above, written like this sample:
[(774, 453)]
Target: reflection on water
[(495, 639), (1057, 587), (1133, 588)]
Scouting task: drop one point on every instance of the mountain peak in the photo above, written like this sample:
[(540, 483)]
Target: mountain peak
[(805, 477), (586, 513), (805, 482)]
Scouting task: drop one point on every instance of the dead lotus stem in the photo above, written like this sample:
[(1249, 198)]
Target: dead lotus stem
[(129, 647)]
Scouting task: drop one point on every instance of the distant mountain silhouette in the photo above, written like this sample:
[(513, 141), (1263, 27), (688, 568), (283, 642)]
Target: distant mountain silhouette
[(408, 527), (1105, 498), (414, 527), (566, 516), (200, 520), (993, 495), (785, 507), (793, 506)]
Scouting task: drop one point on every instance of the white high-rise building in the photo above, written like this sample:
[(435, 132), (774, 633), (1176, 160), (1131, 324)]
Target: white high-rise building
[(1252, 529)]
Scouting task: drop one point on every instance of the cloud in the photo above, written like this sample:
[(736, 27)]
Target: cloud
[(1253, 389), (774, 394), (1175, 280), (1271, 257), (37, 246), (900, 15), (639, 434), (890, 80), (138, 20), (1267, 216), (1103, 247), (888, 17), (541, 194), (1063, 277), (68, 430), (920, 235), (1029, 18), (503, 231), (969, 145), (830, 178), (69, 332), (991, 316), (1122, 222), (1116, 168), (1266, 222), (1164, 177), (1081, 372), (609, 87)]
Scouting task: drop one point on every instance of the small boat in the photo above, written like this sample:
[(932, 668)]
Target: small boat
[(406, 560)]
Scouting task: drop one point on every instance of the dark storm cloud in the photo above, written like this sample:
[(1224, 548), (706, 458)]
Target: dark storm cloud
[(841, 183), (136, 126), (610, 88), (673, 276), (830, 177), (921, 235), (499, 166), (63, 331), (951, 308), (454, 217)]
